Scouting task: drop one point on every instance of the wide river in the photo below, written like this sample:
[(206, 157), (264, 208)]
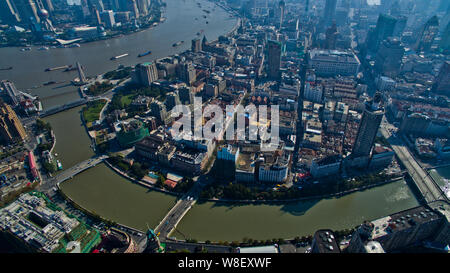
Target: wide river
[(106, 193)]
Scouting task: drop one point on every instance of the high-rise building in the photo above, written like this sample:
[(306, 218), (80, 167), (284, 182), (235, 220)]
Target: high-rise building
[(196, 45), (384, 29), (12, 93), (368, 127), (8, 12), (442, 81), (445, 42), (11, 129), (186, 72), (282, 6), (329, 11), (185, 95), (426, 34), (389, 57), (158, 110), (331, 37), (28, 10), (143, 7), (85, 9), (274, 59), (107, 17), (400, 26), (146, 73), (172, 100)]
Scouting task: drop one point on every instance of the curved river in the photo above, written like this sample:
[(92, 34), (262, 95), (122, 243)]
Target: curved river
[(108, 194)]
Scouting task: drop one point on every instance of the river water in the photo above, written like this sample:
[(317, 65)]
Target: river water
[(108, 194)]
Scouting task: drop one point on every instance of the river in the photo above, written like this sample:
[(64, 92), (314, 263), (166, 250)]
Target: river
[(110, 195), (181, 25)]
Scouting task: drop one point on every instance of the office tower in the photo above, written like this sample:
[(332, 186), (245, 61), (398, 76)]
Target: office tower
[(108, 18), (331, 37), (146, 73), (143, 7), (442, 81), (27, 10), (385, 28), (426, 34), (368, 127), (186, 72), (185, 95), (96, 16), (400, 26), (385, 5), (395, 9), (8, 12), (274, 59), (445, 42), (111, 5), (329, 12), (98, 4), (13, 94), (158, 110), (85, 8), (132, 6), (11, 129), (389, 57), (48, 5), (282, 6), (172, 100), (196, 45)]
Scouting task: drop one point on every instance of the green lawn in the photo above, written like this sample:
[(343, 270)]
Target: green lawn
[(92, 111)]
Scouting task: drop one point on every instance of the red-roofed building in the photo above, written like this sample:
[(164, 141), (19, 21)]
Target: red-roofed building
[(170, 183)]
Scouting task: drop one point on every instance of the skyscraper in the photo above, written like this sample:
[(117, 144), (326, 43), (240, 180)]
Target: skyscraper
[(368, 127), (186, 72), (445, 42), (329, 12), (385, 28), (282, 6), (331, 37), (442, 81), (27, 10), (426, 34), (8, 12), (146, 73), (11, 129), (274, 59), (107, 17), (389, 57), (196, 45)]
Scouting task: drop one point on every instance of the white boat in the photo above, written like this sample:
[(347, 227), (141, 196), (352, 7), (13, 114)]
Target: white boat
[(43, 48), (120, 56)]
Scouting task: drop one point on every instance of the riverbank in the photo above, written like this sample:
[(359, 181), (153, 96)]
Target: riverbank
[(147, 25)]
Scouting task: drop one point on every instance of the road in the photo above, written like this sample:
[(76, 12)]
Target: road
[(48, 184), (428, 188)]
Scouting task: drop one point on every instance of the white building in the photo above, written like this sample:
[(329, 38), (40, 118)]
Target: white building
[(334, 62), (326, 166), (313, 92)]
